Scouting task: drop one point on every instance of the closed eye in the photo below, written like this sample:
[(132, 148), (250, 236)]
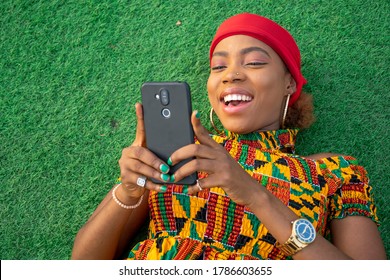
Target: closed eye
[(256, 63), (219, 67)]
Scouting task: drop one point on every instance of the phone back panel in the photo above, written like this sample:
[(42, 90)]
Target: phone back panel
[(167, 112)]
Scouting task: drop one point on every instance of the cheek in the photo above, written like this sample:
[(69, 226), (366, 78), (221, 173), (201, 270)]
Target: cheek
[(210, 84), (271, 86), (211, 88), (268, 81), (270, 98)]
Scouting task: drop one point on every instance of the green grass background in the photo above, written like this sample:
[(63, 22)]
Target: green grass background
[(71, 72)]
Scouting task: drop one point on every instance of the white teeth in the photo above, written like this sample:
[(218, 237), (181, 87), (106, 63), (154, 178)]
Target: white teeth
[(236, 97)]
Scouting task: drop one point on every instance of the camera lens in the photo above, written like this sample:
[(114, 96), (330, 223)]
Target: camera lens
[(164, 94), (166, 113)]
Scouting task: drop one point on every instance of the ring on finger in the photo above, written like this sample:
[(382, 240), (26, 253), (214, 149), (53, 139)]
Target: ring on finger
[(141, 181), (198, 185)]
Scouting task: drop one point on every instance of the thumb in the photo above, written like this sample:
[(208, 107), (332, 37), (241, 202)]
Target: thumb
[(201, 132), (140, 138)]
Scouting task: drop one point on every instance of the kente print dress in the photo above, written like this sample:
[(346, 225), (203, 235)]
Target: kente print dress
[(209, 225)]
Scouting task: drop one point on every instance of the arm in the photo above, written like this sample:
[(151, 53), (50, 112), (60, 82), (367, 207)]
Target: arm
[(358, 237), (353, 237), (225, 172), (111, 227)]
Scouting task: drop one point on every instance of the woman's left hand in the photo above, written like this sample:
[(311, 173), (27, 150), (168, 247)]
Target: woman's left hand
[(222, 169)]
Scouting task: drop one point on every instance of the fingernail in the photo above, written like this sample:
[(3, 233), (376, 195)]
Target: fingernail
[(163, 188), (172, 178), (164, 168), (197, 115), (165, 177), (169, 161)]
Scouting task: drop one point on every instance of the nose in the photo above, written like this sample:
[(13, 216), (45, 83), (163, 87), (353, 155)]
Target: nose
[(233, 75)]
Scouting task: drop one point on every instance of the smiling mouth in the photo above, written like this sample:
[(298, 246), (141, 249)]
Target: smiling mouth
[(236, 99)]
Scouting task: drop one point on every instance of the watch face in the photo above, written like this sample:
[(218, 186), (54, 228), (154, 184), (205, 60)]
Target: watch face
[(305, 231)]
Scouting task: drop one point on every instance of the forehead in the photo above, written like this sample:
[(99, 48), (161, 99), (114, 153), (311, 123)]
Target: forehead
[(238, 42)]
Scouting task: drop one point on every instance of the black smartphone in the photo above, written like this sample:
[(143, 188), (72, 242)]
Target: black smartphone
[(167, 115)]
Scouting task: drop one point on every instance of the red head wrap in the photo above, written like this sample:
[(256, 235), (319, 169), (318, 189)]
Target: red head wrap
[(270, 33)]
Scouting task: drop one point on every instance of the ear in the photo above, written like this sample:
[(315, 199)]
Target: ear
[(291, 85)]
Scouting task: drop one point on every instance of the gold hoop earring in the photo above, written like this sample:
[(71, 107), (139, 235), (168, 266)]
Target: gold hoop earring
[(285, 110), (212, 122)]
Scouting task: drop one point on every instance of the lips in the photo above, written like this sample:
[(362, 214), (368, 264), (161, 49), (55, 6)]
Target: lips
[(235, 99)]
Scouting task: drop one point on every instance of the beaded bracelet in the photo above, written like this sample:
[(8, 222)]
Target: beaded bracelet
[(124, 205)]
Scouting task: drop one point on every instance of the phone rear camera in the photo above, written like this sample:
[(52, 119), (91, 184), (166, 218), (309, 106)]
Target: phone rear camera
[(166, 113), (164, 94)]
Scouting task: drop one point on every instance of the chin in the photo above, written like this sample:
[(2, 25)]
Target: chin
[(239, 128)]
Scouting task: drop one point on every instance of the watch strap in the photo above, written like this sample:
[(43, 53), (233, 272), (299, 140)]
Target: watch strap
[(293, 245), (290, 247)]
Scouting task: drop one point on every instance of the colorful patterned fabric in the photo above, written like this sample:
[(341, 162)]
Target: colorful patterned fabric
[(209, 225)]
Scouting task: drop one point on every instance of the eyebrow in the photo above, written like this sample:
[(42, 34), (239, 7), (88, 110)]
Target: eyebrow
[(244, 51), (254, 49)]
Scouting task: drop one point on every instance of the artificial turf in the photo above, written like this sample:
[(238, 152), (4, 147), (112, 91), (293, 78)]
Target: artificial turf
[(71, 72)]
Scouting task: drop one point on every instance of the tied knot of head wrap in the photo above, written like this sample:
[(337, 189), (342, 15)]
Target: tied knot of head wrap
[(270, 33)]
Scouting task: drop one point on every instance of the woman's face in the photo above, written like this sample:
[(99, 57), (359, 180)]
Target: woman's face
[(254, 99)]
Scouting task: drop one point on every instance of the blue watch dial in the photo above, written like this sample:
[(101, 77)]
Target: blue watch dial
[(305, 231)]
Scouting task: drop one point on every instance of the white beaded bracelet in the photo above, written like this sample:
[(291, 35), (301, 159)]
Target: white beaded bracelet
[(124, 205)]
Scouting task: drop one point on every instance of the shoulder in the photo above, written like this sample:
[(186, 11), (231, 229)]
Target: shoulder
[(342, 166), (335, 161), (338, 163), (346, 169), (323, 156)]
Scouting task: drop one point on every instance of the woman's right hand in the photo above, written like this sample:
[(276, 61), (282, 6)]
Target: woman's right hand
[(137, 161)]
